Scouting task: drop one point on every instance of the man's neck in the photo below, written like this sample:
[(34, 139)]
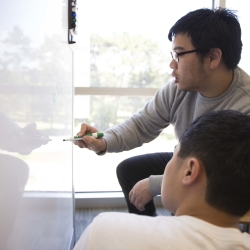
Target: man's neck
[(210, 214), (218, 83)]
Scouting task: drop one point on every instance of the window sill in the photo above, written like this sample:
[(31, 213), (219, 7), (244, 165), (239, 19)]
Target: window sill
[(104, 199)]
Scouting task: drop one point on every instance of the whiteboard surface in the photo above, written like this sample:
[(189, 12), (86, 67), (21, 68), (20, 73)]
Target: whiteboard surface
[(36, 205)]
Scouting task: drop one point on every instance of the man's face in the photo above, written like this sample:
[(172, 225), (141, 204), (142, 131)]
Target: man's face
[(170, 188), (189, 72)]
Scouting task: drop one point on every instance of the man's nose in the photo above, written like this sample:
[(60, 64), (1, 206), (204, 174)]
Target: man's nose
[(173, 64)]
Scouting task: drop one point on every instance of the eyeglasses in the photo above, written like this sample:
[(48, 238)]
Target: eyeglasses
[(176, 55)]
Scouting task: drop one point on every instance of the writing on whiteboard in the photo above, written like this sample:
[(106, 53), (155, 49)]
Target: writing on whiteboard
[(61, 92)]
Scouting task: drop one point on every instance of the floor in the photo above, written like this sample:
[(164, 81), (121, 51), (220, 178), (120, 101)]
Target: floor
[(84, 216)]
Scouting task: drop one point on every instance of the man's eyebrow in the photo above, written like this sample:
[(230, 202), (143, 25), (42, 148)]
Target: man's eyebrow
[(178, 48)]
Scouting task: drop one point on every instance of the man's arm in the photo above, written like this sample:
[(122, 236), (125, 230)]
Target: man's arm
[(140, 128), (145, 190), (155, 182), (144, 126)]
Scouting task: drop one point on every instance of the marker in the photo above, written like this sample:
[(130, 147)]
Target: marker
[(77, 138)]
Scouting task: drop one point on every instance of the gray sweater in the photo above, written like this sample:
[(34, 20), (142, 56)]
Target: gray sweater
[(179, 108)]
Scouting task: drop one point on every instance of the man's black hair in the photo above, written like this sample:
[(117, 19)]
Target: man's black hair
[(210, 29), (221, 141)]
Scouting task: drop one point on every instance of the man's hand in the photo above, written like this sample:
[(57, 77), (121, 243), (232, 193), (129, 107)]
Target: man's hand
[(139, 196), (91, 143)]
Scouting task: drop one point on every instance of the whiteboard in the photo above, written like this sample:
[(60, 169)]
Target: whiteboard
[(36, 201)]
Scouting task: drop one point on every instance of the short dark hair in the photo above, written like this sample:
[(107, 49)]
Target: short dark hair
[(221, 141), (212, 28)]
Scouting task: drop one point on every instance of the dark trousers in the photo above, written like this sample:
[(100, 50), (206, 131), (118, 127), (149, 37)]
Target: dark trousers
[(136, 168)]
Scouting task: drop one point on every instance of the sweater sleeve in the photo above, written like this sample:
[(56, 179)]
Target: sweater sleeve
[(155, 184), (142, 127)]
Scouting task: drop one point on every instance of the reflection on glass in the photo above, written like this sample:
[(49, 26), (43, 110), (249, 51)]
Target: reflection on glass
[(14, 172)]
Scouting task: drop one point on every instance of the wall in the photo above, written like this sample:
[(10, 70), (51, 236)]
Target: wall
[(36, 200)]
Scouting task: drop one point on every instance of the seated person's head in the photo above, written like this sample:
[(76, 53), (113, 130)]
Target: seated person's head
[(211, 166)]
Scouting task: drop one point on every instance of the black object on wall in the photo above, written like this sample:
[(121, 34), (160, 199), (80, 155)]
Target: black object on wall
[(72, 20)]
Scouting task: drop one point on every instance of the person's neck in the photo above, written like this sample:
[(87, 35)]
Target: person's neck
[(218, 83), (209, 214)]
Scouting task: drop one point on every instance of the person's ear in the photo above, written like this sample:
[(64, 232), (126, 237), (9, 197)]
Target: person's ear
[(215, 56), (192, 171)]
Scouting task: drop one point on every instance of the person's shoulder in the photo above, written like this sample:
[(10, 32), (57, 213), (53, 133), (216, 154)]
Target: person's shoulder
[(243, 79), (114, 230), (128, 223), (110, 215), (130, 231), (118, 217), (242, 93), (242, 73)]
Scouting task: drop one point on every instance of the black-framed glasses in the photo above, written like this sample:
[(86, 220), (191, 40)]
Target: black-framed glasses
[(176, 55)]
